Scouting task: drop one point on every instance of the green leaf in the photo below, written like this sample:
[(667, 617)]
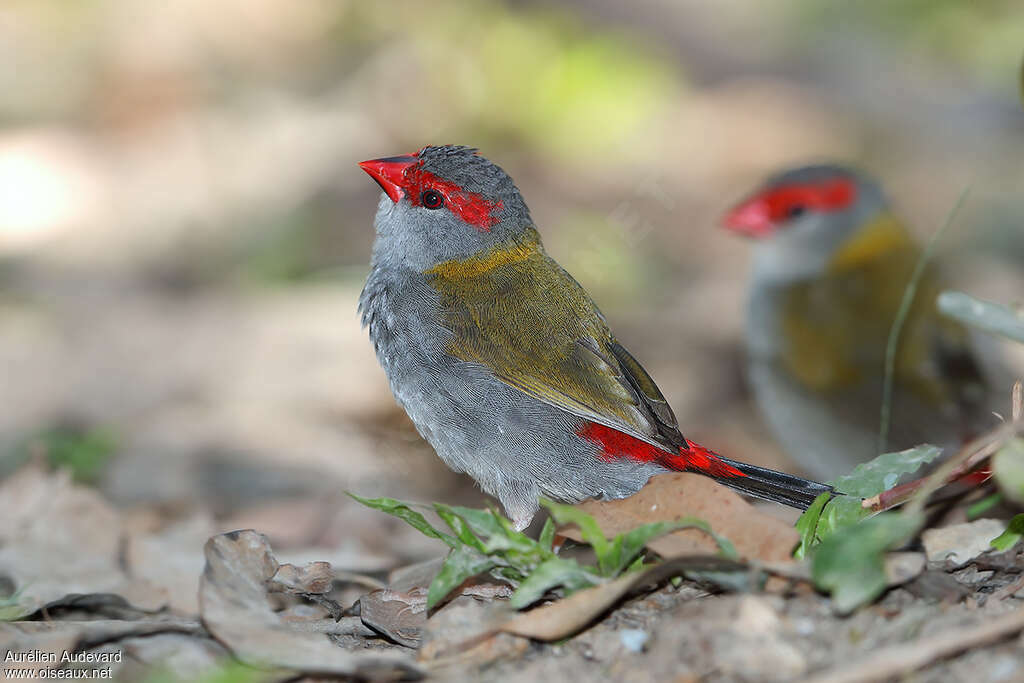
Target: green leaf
[(484, 523), (1008, 468), (626, 547), (517, 541), (976, 510), (850, 563), (547, 534), (637, 565), (552, 573), (840, 513), (615, 555), (824, 518), (807, 525), (462, 563), (986, 315), (591, 532), (1009, 538), (871, 478), (725, 546), (497, 537), (459, 526), (397, 508), (829, 515)]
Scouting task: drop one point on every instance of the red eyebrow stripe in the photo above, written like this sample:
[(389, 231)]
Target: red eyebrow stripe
[(471, 207), (830, 195), (763, 212)]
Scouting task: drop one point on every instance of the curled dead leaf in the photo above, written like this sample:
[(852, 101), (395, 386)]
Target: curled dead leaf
[(570, 615), (397, 615), (236, 611), (58, 538), (315, 578), (666, 497)]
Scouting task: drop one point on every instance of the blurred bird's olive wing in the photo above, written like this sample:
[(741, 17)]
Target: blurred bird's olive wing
[(835, 332), (516, 311)]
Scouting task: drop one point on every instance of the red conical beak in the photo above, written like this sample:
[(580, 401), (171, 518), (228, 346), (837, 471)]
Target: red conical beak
[(751, 218), (389, 173)]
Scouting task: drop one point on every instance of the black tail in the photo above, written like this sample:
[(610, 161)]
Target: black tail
[(780, 487)]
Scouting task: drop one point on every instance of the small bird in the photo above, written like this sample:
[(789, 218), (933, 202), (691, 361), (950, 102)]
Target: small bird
[(501, 359), (831, 264)]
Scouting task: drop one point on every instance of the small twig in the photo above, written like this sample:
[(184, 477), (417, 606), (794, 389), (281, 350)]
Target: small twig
[(891, 662), (970, 456), (346, 626), (335, 610), (1017, 401), (892, 344), (1006, 591)]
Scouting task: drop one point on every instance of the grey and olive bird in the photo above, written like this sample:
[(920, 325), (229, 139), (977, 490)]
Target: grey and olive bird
[(502, 360), (831, 264)]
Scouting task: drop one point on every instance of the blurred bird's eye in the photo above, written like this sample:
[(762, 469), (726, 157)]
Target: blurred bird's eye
[(432, 199), (796, 211)]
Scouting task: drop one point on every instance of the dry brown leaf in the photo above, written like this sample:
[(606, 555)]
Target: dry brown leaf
[(58, 538), (183, 657), (235, 609), (566, 617), (398, 615), (171, 559), (57, 637), (756, 535), (454, 638), (315, 578), (48, 639)]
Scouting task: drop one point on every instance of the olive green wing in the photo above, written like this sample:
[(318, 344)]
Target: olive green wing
[(836, 330), (520, 314)]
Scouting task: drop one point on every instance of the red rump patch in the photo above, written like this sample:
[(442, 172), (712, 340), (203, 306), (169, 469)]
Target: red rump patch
[(616, 445), (760, 215), (471, 207)]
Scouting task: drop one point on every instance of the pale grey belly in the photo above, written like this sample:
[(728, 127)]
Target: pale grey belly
[(821, 439)]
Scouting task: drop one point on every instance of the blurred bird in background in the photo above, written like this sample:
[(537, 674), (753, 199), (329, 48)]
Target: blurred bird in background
[(831, 264)]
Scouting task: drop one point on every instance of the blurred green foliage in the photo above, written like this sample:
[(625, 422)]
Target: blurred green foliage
[(1011, 537), (85, 451), (981, 37), (532, 74)]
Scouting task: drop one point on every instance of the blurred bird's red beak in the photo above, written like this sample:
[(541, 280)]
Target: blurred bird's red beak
[(389, 173), (751, 218)]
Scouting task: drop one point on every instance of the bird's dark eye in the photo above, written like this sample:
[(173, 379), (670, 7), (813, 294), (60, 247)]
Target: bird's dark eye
[(796, 211), (432, 199)]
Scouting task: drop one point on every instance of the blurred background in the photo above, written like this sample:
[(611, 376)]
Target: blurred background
[(184, 230)]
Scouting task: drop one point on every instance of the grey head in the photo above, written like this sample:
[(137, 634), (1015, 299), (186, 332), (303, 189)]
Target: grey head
[(443, 203), (801, 216)]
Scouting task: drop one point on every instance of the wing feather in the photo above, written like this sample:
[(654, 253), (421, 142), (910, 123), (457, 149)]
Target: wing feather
[(521, 315)]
